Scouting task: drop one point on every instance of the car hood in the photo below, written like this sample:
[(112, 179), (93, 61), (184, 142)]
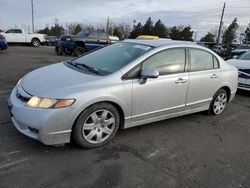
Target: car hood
[(57, 81), (241, 64)]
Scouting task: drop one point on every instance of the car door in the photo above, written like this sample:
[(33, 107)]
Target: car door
[(10, 35), (103, 38), (20, 36), (159, 97), (205, 77), (92, 41)]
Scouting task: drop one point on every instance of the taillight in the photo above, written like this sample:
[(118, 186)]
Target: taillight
[(2, 37)]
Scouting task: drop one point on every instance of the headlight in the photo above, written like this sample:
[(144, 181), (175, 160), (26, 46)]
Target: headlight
[(38, 102)]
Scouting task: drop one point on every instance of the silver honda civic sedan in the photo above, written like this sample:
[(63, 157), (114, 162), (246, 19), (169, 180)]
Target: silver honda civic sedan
[(123, 85)]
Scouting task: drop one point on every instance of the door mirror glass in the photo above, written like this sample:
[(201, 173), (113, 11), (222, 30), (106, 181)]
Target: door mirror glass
[(149, 73)]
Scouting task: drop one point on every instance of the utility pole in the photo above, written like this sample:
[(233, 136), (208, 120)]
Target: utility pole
[(32, 11), (107, 28), (221, 21)]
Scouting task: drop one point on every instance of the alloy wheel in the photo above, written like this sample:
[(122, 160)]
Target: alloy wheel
[(220, 103), (98, 127)]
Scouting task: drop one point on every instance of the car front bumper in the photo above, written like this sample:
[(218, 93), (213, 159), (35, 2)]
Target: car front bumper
[(244, 84), (244, 81), (50, 126)]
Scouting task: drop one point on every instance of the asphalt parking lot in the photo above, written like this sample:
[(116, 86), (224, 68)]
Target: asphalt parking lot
[(191, 151)]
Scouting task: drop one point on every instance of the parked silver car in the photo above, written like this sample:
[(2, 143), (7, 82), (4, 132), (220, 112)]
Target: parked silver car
[(123, 85), (243, 66)]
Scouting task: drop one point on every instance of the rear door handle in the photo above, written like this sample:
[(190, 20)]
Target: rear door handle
[(214, 76), (180, 81)]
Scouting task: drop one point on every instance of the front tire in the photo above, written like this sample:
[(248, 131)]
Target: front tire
[(96, 126), (219, 102), (59, 50), (79, 50), (35, 43)]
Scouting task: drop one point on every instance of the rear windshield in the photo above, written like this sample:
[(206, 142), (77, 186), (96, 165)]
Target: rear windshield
[(112, 58)]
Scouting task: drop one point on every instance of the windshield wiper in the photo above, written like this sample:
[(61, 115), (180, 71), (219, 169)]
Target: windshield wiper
[(92, 69)]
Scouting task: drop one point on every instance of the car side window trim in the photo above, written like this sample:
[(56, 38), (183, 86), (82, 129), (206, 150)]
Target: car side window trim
[(124, 77)]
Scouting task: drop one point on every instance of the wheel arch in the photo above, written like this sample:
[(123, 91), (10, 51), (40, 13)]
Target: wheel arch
[(115, 104), (228, 91), (35, 38), (80, 43)]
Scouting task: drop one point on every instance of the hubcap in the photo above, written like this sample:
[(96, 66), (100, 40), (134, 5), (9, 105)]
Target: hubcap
[(220, 103), (98, 126), (79, 52), (36, 43)]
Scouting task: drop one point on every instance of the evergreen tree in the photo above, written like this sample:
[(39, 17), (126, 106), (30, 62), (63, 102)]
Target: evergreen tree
[(46, 31), (147, 29), (159, 29), (181, 33), (209, 37), (187, 34), (247, 34), (56, 30), (136, 31), (117, 33), (175, 33), (78, 29), (230, 33)]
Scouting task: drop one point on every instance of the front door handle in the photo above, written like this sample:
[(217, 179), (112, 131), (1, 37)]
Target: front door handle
[(214, 76), (180, 81)]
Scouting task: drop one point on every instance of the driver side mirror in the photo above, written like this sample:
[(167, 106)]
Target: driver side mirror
[(148, 73), (235, 57)]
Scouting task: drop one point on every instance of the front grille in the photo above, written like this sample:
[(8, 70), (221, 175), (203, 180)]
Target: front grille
[(244, 73), (243, 85)]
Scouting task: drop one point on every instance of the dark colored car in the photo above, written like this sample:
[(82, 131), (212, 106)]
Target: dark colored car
[(82, 42), (3, 43), (220, 50), (240, 50), (51, 40)]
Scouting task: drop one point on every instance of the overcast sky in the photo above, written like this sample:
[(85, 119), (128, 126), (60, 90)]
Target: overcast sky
[(202, 15)]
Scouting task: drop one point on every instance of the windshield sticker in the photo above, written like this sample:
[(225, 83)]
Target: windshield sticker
[(142, 47)]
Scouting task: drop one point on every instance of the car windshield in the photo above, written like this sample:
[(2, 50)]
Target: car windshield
[(243, 47), (245, 56), (112, 58), (82, 34)]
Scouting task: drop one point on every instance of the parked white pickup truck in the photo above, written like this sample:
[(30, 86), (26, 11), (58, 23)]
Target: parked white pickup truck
[(20, 36)]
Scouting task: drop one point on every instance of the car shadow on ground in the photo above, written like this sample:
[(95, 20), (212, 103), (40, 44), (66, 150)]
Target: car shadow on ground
[(243, 92)]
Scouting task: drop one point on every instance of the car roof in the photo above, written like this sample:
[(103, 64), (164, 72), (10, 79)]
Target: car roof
[(160, 42)]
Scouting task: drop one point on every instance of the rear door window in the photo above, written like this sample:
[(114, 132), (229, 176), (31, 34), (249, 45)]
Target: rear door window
[(93, 35), (201, 60), (103, 36)]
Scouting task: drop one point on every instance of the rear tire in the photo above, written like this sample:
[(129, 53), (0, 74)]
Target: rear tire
[(67, 51), (96, 126), (79, 50), (219, 102), (35, 42)]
